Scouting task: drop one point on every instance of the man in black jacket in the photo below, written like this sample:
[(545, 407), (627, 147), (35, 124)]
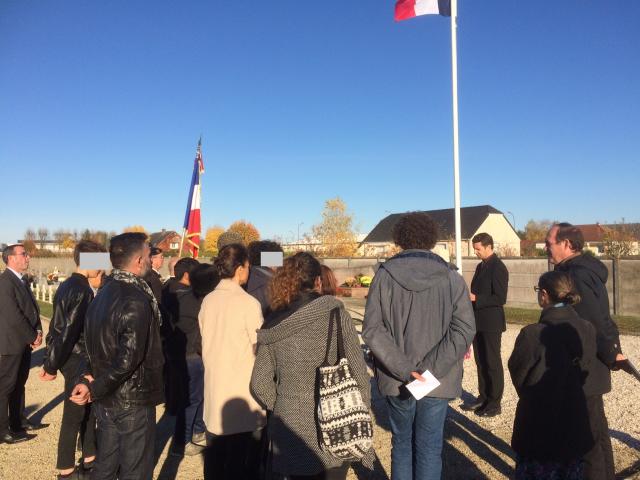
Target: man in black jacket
[(20, 332), (124, 351), (564, 245), (152, 277), (488, 294), (65, 350)]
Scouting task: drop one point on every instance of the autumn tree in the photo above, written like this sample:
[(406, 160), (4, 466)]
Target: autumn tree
[(43, 234), (336, 231), (536, 230), (135, 228), (211, 240), (29, 247), (29, 234), (246, 230), (618, 241), (68, 243)]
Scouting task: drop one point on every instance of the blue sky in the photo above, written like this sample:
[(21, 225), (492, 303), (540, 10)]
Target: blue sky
[(102, 104)]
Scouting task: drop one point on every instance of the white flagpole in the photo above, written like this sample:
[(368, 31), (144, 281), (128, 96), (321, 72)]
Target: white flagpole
[(456, 153)]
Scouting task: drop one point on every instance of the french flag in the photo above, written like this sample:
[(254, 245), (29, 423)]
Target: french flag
[(192, 228), (412, 8)]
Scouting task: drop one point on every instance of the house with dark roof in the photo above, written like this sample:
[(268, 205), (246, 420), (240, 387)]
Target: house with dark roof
[(474, 220), (165, 239)]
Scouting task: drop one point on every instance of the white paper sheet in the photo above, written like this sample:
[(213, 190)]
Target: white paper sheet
[(420, 389)]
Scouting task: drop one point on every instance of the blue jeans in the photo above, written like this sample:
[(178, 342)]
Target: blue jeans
[(126, 439), (417, 436), (189, 416)]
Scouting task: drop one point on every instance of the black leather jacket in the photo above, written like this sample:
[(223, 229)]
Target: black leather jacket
[(124, 348), (65, 337)]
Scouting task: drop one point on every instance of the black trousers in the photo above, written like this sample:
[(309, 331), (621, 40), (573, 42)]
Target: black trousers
[(16, 398), (599, 464), (338, 473), (126, 439), (231, 457), (76, 420), (486, 351), (9, 366)]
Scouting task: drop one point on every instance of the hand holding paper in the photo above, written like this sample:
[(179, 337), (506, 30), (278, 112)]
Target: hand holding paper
[(421, 388)]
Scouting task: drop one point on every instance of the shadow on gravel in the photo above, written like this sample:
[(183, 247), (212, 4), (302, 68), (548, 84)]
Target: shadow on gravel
[(629, 472), (379, 407), (625, 438), (164, 432), (39, 414), (478, 440), (170, 468), (37, 358), (364, 474)]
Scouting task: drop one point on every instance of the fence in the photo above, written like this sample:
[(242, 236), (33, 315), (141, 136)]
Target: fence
[(44, 293)]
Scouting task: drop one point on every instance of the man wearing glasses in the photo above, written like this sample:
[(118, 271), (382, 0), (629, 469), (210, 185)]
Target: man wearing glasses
[(564, 245), (20, 332)]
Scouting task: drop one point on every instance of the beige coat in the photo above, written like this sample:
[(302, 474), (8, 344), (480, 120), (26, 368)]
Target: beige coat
[(229, 318)]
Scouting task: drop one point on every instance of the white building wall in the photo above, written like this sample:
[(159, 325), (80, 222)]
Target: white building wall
[(505, 240)]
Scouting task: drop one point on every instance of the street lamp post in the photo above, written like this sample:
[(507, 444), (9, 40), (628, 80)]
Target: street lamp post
[(513, 218), (299, 225)]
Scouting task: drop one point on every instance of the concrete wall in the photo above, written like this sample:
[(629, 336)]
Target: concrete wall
[(523, 275)]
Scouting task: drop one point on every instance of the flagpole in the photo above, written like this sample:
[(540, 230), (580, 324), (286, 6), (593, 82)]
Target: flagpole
[(184, 230), (456, 151)]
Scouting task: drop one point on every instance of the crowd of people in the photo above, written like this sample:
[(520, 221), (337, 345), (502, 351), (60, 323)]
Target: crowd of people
[(265, 373)]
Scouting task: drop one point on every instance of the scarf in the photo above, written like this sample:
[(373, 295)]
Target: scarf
[(128, 277)]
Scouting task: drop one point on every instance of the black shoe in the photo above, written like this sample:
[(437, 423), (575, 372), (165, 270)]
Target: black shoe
[(488, 411), (470, 407), (29, 426), (75, 475), (15, 437)]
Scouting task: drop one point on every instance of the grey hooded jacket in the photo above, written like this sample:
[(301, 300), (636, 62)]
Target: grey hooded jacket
[(418, 317)]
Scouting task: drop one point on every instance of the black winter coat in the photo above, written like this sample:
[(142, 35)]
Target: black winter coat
[(590, 277), (186, 339), (549, 365), (153, 279), (124, 348), (489, 284), (66, 330), (19, 315)]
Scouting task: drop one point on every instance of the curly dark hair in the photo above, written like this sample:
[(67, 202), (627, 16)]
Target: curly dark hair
[(297, 274), (415, 230)]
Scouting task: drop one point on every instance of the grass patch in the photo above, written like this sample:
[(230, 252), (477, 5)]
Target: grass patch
[(628, 325), (46, 309)]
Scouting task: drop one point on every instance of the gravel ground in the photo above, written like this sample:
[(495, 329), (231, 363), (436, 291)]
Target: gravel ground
[(475, 448)]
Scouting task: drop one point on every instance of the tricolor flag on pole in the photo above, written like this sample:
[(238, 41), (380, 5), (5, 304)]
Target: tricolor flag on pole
[(412, 8), (191, 228)]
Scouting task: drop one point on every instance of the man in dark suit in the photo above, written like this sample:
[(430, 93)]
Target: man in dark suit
[(153, 275), (488, 294), (20, 332)]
